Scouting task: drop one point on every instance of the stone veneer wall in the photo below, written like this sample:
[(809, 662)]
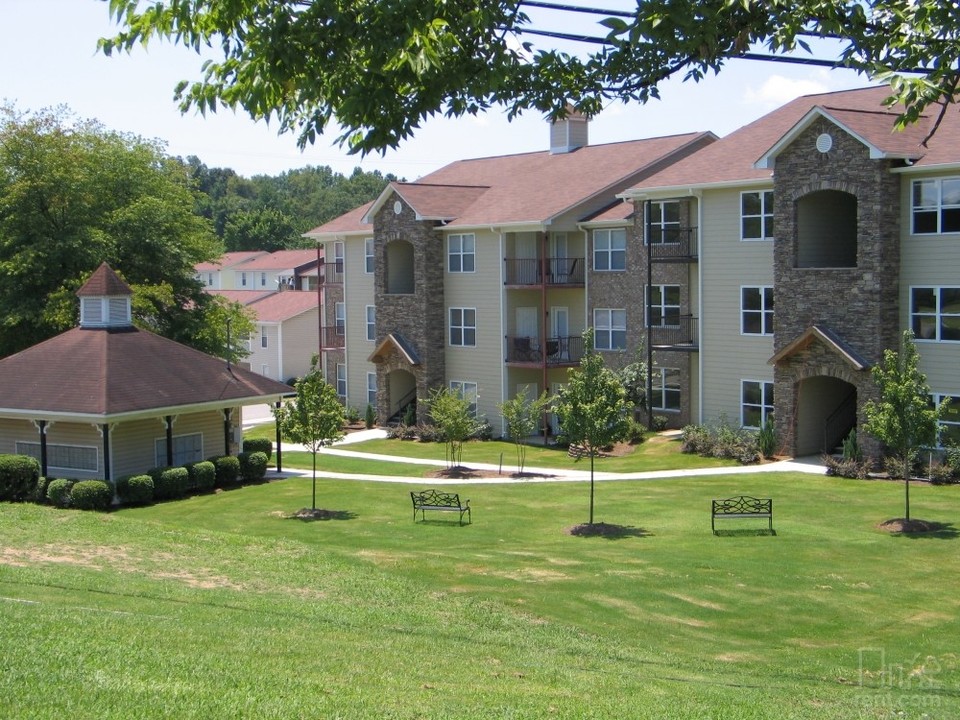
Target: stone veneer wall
[(859, 304), (420, 317)]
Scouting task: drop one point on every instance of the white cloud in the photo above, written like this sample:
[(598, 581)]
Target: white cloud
[(777, 90)]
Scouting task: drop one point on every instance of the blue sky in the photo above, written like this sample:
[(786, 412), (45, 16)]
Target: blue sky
[(48, 52)]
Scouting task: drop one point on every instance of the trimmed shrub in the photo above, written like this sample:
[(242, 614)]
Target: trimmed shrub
[(767, 439), (724, 441), (483, 432), (848, 468), (402, 432), (263, 445), (659, 423), (941, 474), (696, 439), (636, 432), (18, 477), (135, 490), (227, 470), (369, 417), (253, 466), (203, 476), (40, 494), (352, 415), (169, 483), (58, 492), (91, 495)]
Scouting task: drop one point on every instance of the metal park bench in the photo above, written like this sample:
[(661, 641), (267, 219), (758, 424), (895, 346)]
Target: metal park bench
[(742, 506), (442, 501)]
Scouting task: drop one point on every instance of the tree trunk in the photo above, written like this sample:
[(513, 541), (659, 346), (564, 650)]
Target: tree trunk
[(591, 484)]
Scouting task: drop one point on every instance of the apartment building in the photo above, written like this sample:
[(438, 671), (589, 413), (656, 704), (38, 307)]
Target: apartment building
[(782, 261), (222, 273), (478, 276), (766, 271)]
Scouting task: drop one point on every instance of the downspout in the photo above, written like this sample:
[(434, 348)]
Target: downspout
[(544, 317), (504, 371), (699, 197), (648, 310), (319, 308)]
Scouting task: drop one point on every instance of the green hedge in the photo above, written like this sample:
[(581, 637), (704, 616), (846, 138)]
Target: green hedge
[(203, 476), (169, 483), (263, 445), (91, 495), (227, 470), (253, 466), (40, 493), (18, 477), (58, 492), (135, 490)]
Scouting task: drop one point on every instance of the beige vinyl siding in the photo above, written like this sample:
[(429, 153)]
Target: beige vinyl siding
[(58, 433), (298, 345), (929, 261), (482, 290), (270, 355), (358, 293), (727, 264), (134, 443)]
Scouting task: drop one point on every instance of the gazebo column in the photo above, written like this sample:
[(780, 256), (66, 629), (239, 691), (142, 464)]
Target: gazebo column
[(42, 427), (168, 424), (226, 431), (105, 433)]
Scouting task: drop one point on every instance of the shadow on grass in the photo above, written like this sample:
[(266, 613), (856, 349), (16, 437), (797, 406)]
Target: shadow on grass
[(921, 529), (310, 515), (745, 532), (608, 531)]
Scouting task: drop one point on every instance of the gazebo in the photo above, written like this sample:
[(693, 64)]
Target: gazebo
[(107, 399)]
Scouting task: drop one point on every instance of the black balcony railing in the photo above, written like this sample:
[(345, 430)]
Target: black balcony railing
[(331, 273), (555, 351), (549, 271), (675, 245), (683, 335), (334, 337)]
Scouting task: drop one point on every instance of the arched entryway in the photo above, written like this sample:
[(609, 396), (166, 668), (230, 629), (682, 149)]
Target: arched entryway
[(401, 397), (826, 413)]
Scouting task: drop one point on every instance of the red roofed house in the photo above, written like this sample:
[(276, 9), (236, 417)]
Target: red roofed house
[(107, 399), (285, 340), (476, 276), (224, 272)]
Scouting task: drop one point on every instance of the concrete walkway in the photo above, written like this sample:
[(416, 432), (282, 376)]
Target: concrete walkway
[(506, 472)]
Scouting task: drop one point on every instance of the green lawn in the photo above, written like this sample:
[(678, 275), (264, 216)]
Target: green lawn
[(221, 607)]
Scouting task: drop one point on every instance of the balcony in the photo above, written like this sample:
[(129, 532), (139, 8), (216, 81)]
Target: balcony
[(331, 273), (333, 337), (554, 271), (556, 351), (675, 245), (684, 335)]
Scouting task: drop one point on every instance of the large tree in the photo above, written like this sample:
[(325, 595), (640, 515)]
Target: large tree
[(593, 408), (73, 195), (381, 67)]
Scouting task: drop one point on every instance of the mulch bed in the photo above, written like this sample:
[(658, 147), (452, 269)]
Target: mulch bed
[(902, 525)]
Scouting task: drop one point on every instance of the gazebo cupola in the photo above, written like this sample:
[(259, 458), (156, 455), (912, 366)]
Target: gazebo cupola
[(105, 300)]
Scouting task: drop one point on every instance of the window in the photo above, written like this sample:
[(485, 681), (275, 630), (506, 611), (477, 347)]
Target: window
[(461, 254), (610, 249), (467, 390), (463, 327), (372, 389), (186, 449), (243, 279), (664, 222), (368, 256), (610, 328), (756, 215), (949, 431), (756, 403), (663, 303), (756, 310), (62, 457), (935, 313), (263, 279), (666, 389), (936, 206), (342, 381), (263, 336), (371, 322), (340, 315), (338, 256)]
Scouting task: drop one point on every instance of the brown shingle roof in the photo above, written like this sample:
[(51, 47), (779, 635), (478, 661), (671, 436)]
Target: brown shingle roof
[(117, 372), (229, 260), (283, 260), (438, 202), (351, 221), (280, 306), (104, 282)]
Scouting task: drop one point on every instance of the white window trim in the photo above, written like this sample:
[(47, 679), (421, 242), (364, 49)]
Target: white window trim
[(371, 323), (662, 306), (468, 388), (369, 256), (342, 378), (662, 224), (938, 208), (938, 398), (372, 388), (461, 253), (763, 214), (162, 461), (762, 311), (264, 342), (23, 447), (609, 328), (608, 249), (463, 327), (937, 315), (659, 388), (764, 412)]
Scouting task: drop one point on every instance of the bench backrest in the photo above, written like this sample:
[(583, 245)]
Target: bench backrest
[(743, 504), (436, 498)]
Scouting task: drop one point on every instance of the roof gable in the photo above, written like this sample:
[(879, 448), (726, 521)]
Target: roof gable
[(104, 282), (830, 339)]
